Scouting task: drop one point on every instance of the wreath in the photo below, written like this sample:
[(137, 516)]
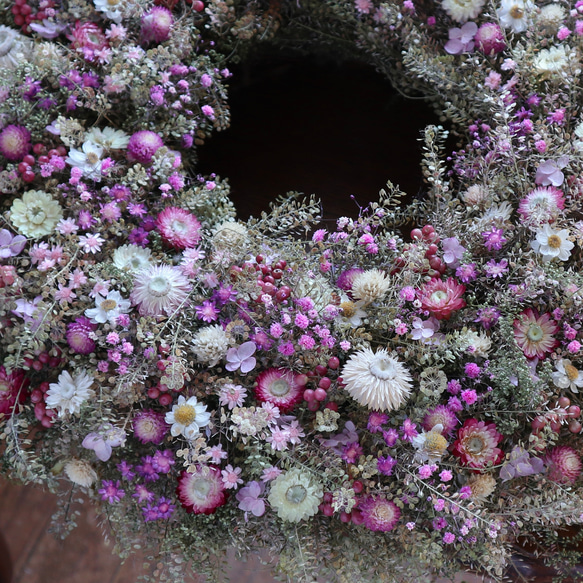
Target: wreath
[(393, 397)]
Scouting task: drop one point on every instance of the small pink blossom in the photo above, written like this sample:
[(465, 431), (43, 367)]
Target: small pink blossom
[(230, 477), (91, 243)]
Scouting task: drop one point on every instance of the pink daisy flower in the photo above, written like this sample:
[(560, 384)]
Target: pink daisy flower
[(230, 476), (201, 492), (178, 227), (379, 514), (534, 333), (476, 444), (542, 204), (442, 298), (279, 387), (564, 464), (149, 426)]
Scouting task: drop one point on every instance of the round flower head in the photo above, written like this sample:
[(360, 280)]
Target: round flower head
[(515, 14), (202, 491), (36, 214), (14, 142), (80, 472), (295, 495), (567, 376), (542, 204), (490, 39), (143, 145), (476, 444), (376, 380), (69, 393), (12, 389), (230, 236), (482, 485), (14, 48), (131, 257), (346, 279), (462, 10), (379, 514), (370, 285), (564, 464), (430, 445), (187, 417), (149, 426), (553, 62), (440, 415), (79, 335), (442, 298), (534, 333), (552, 244), (156, 24), (159, 290), (551, 17), (210, 344), (178, 227), (279, 387)]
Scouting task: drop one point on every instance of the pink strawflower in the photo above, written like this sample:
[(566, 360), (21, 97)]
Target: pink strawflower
[(442, 298), (476, 444), (88, 36), (156, 24), (564, 464), (201, 492), (91, 243), (280, 387), (534, 333), (149, 426), (14, 142), (542, 204), (143, 145), (79, 335), (379, 514), (178, 227), (490, 39), (440, 415), (13, 389), (232, 395)]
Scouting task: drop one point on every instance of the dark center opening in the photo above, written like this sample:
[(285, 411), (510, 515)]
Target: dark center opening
[(317, 126)]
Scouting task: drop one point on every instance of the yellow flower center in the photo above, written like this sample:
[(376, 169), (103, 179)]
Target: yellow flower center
[(554, 242), (435, 442), (185, 414), (571, 372), (92, 158), (516, 12), (348, 309), (108, 305)]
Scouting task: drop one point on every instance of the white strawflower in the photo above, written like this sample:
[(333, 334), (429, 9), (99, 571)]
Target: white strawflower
[(476, 195), (88, 159), (111, 8), (551, 17), (159, 290), (108, 138), (515, 14), (187, 417), (552, 62), (36, 214), (462, 10), (131, 257), (210, 344), (567, 376), (550, 243), (69, 393), (478, 342), (295, 495), (108, 309), (14, 48), (376, 380), (370, 285), (230, 236), (80, 472)]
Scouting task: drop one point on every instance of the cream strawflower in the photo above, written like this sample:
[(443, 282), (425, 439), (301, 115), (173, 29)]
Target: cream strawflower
[(567, 376), (131, 257), (187, 417), (376, 380), (108, 138), (551, 17), (295, 496), (14, 48), (69, 393), (80, 472), (36, 214), (230, 236), (552, 244), (160, 290), (210, 344), (370, 285), (462, 10), (553, 62)]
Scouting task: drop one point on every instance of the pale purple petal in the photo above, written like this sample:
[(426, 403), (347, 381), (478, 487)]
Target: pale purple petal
[(246, 350), (248, 364)]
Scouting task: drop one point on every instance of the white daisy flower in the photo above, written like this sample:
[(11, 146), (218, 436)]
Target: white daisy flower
[(131, 257), (550, 243), (567, 376), (108, 308), (187, 417), (295, 496), (108, 138), (352, 312), (88, 159), (69, 393), (430, 445), (515, 14)]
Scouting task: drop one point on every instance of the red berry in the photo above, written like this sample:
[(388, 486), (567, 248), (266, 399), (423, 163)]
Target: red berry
[(575, 426), (313, 405), (44, 357), (564, 402), (325, 383), (43, 159), (538, 423), (344, 517), (332, 405), (36, 396), (37, 365), (356, 516), (277, 274), (333, 362), (574, 411), (25, 9), (39, 410), (52, 153), (416, 234), (357, 486), (320, 394), (302, 380), (259, 258), (54, 362), (431, 250), (268, 279), (197, 5), (269, 288), (46, 422), (28, 176), (15, 10), (23, 167), (555, 426), (283, 293), (427, 230), (327, 509), (308, 395), (153, 392), (321, 370)]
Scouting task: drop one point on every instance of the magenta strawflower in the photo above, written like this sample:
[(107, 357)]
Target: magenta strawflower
[(280, 387), (143, 145), (440, 415), (149, 426), (202, 491), (88, 36), (442, 298), (111, 491), (379, 514), (534, 333), (476, 444), (490, 39), (564, 464), (156, 24), (13, 389), (79, 335), (14, 142), (178, 227)]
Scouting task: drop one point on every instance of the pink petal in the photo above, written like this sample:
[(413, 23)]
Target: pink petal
[(246, 350), (248, 364)]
